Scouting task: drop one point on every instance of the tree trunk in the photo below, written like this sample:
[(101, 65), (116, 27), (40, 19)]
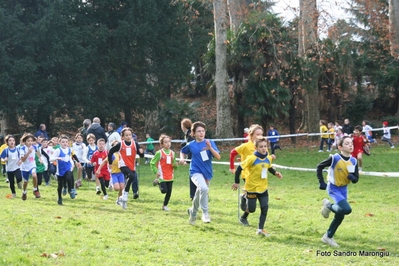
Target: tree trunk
[(152, 123), (307, 50), (223, 112), (9, 124), (394, 28), (237, 11)]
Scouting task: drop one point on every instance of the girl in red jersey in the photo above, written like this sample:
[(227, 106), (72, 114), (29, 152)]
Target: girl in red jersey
[(102, 174), (128, 149), (358, 142), (163, 164)]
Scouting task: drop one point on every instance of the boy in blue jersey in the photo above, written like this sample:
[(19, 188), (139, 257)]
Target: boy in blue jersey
[(202, 151), (10, 156), (342, 169), (274, 137), (65, 164)]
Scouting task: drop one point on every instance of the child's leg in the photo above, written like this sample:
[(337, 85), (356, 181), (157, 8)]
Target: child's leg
[(321, 144), (201, 195), (10, 176), (60, 180), (34, 181), (193, 188), (69, 182), (264, 206), (168, 186), (360, 159), (102, 183), (46, 177), (340, 209), (39, 178)]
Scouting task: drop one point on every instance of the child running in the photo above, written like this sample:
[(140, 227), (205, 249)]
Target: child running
[(359, 140), (245, 150), (10, 156), (65, 164), (256, 183), (342, 169), (102, 174), (127, 149), (87, 154), (201, 172), (28, 165), (117, 177), (78, 147), (163, 164)]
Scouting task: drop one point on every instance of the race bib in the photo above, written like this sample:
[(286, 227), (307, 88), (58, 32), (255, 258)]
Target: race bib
[(128, 151), (264, 173), (204, 156), (14, 155), (168, 159), (100, 161)]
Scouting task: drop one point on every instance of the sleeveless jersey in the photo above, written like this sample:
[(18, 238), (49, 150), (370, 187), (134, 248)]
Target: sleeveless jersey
[(165, 165), (127, 155), (64, 165), (78, 149), (90, 152), (115, 164), (13, 159), (338, 171)]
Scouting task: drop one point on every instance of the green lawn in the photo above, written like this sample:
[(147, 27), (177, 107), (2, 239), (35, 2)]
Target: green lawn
[(91, 231)]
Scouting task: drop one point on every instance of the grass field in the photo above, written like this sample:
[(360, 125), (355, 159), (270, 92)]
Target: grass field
[(91, 231)]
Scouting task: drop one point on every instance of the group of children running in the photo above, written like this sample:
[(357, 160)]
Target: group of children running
[(117, 167)]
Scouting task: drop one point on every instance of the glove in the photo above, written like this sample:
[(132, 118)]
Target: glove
[(353, 178), (322, 185)]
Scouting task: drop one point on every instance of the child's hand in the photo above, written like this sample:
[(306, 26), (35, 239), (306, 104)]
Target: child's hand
[(94, 164), (279, 175), (232, 170), (158, 174), (31, 149), (97, 173), (235, 186), (182, 161), (322, 185)]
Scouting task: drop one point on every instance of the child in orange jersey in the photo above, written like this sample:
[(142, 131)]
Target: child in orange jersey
[(163, 164), (127, 149)]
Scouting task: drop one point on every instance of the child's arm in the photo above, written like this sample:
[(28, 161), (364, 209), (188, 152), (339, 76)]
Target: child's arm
[(112, 151), (237, 178), (101, 166), (154, 161), (85, 152), (274, 172), (233, 155), (354, 177), (212, 150), (25, 156), (175, 163), (326, 163)]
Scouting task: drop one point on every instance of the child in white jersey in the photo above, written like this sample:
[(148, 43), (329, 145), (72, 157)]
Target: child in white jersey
[(163, 164), (387, 134), (27, 164), (10, 156), (78, 147)]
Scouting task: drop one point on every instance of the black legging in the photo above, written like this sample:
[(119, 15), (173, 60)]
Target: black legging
[(104, 184), (132, 179), (18, 176), (66, 179), (264, 205), (166, 188)]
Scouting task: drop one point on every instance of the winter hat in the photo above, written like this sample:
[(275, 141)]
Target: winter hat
[(112, 125), (385, 123)]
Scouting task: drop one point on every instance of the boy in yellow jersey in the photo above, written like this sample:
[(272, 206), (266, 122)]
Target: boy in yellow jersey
[(256, 183), (331, 136), (323, 137), (342, 169)]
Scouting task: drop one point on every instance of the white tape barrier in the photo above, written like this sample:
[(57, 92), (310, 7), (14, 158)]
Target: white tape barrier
[(369, 173), (269, 137)]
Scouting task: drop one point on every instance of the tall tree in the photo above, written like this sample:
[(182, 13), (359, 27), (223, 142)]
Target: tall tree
[(308, 51), (223, 116), (394, 28)]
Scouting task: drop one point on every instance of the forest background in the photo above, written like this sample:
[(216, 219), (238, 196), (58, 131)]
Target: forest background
[(228, 63)]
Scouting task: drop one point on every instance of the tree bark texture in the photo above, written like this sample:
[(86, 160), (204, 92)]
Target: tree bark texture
[(223, 116), (394, 28)]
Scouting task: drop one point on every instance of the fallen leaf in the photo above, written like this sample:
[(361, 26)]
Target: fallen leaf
[(383, 249), (308, 251), (57, 217), (54, 256), (369, 214), (9, 196), (352, 201), (277, 198), (44, 254)]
